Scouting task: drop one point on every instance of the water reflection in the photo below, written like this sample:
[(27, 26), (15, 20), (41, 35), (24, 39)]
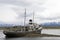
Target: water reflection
[(35, 38), (32, 38), (2, 38)]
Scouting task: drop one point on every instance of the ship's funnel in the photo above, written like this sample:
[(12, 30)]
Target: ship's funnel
[(30, 21)]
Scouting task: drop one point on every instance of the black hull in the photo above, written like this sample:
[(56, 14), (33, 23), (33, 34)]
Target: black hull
[(20, 34), (14, 34)]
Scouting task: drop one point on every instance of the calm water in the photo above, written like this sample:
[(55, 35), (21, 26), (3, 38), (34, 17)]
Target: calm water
[(51, 31), (32, 38)]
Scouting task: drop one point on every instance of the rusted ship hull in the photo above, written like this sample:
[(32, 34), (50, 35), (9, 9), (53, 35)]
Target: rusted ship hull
[(20, 34), (14, 34)]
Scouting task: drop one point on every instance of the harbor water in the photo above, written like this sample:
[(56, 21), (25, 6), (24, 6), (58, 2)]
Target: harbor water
[(32, 38), (44, 31)]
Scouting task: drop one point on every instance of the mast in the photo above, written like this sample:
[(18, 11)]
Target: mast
[(33, 16), (24, 19)]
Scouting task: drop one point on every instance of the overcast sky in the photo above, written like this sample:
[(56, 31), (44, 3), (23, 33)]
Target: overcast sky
[(12, 11)]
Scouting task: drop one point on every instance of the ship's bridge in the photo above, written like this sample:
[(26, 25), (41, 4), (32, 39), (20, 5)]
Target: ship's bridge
[(33, 26)]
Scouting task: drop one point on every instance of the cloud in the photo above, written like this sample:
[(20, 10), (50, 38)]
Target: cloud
[(23, 2), (45, 10), (7, 14)]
